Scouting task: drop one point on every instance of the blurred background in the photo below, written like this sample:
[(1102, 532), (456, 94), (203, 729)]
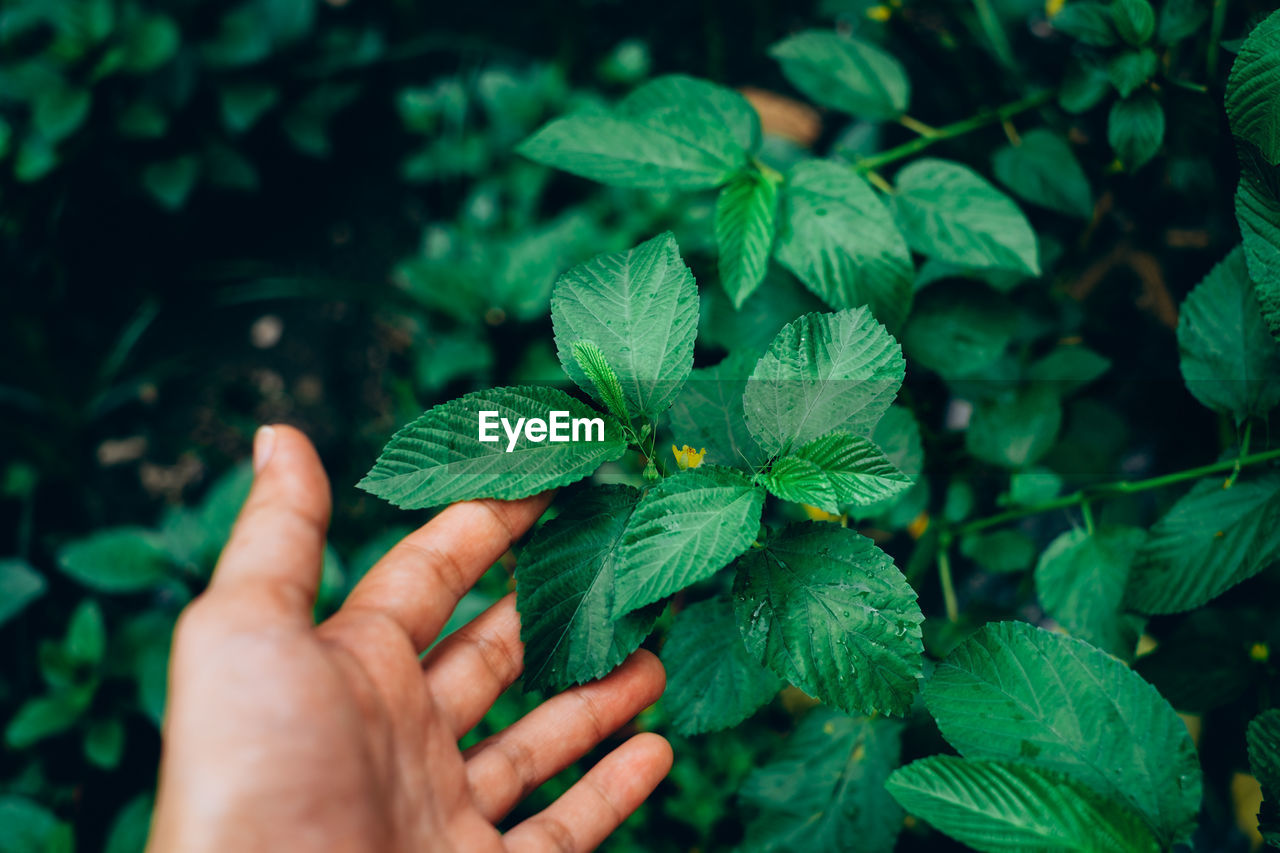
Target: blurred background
[(214, 215)]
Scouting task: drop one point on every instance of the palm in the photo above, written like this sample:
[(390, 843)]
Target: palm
[(339, 737)]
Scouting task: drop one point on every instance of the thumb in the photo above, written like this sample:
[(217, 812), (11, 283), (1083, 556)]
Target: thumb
[(277, 545)]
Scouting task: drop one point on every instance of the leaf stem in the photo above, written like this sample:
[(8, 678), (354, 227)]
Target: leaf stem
[(878, 181), (950, 131), (944, 578), (1244, 451), (916, 125), (1215, 38), (1120, 487), (1086, 510)]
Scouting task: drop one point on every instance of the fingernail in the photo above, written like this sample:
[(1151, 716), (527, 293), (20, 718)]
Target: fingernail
[(264, 442)]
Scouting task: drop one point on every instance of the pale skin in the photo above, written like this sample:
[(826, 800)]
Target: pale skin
[(281, 735)]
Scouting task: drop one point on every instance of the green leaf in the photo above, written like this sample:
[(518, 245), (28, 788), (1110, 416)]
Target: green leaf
[(825, 789), (44, 717), (439, 458), (745, 214), (686, 528), (243, 104), (898, 435), (1180, 19), (1014, 691), (1129, 70), (86, 640), (604, 381), (1209, 541), (1043, 170), (960, 329), (150, 43), (712, 683), (1258, 212), (1081, 580), (828, 611), (844, 73), (19, 586), (104, 743), (1084, 86), (640, 307), (1135, 20), (1135, 129), (1263, 737), (1068, 368), (838, 238), (834, 470), (58, 111), (1004, 806), (708, 414), (131, 826), (1229, 360), (565, 588), (675, 133), (1033, 486), (1015, 429), (1090, 23), (1253, 90), (31, 828), (170, 181), (823, 373), (699, 111), (117, 560), (1001, 551), (949, 212)]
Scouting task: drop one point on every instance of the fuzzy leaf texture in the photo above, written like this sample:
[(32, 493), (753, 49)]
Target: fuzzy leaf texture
[(640, 307), (1258, 213), (712, 682), (745, 214), (1263, 737), (825, 789), (822, 373), (439, 459), (844, 73), (1229, 360), (564, 592), (1081, 579), (828, 611), (1002, 806), (608, 390), (1013, 691), (835, 470), (1253, 90), (949, 212), (1209, 541), (840, 240), (686, 528)]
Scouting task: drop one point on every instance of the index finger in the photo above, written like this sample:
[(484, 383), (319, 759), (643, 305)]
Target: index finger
[(419, 581)]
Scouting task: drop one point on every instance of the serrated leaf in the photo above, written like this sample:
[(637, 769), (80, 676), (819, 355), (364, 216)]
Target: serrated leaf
[(608, 389), (840, 240), (1135, 20), (1135, 129), (745, 214), (823, 373), (958, 330), (1014, 691), (948, 211), (1229, 360), (1253, 90), (834, 470), (686, 528), (439, 458), (898, 435), (1209, 541), (117, 560), (1081, 579), (708, 413), (1258, 212), (828, 611), (712, 683), (640, 306), (674, 133), (19, 586), (1003, 806), (825, 789), (1014, 430), (1263, 738), (1043, 170), (564, 592), (1087, 22), (844, 73)]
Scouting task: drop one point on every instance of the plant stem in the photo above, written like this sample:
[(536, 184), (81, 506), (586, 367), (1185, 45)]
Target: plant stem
[(1086, 510), (918, 126), (879, 182), (1244, 451), (1215, 37), (944, 577), (950, 131), (1121, 487)]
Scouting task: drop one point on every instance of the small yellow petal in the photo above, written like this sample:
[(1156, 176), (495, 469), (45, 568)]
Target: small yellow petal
[(879, 13), (918, 525), (1053, 7), (819, 514), (1260, 652)]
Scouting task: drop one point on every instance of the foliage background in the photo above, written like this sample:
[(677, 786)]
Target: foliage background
[(213, 216)]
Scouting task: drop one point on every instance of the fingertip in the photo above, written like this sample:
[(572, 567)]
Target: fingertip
[(284, 459), (657, 749), (650, 669)]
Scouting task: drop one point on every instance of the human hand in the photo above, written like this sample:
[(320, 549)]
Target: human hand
[(281, 735)]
